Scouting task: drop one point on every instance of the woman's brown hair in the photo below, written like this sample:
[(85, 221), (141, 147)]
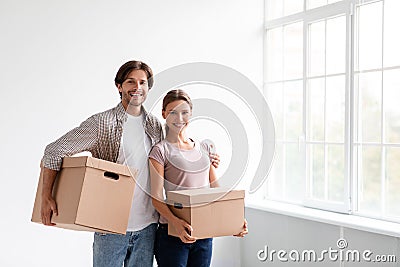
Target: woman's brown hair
[(176, 94)]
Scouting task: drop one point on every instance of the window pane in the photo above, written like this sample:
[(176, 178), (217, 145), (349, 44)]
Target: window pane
[(317, 171), (369, 177), (274, 98), (293, 51), (393, 181), (370, 36), (336, 45), (293, 6), (316, 109), (294, 173), (391, 97), (335, 109), (317, 48), (286, 178), (391, 33), (336, 173), (369, 86), (274, 54), (293, 110)]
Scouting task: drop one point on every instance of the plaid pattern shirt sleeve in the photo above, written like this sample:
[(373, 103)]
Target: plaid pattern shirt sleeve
[(100, 135), (79, 139)]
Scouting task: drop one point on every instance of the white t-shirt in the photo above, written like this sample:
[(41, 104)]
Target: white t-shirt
[(134, 150)]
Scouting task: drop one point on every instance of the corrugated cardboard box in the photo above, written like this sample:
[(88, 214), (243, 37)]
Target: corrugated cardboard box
[(91, 195), (211, 212)]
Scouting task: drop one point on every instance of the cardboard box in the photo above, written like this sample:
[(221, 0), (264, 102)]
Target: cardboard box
[(211, 212), (91, 195)]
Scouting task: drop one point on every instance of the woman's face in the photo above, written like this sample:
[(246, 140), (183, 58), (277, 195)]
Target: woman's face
[(177, 115)]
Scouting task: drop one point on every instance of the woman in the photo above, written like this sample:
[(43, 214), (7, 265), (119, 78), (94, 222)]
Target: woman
[(178, 163)]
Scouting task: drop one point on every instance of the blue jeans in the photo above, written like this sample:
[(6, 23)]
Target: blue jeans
[(133, 249), (170, 251)]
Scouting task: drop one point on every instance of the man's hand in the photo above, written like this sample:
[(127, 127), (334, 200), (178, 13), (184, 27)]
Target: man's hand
[(214, 157), (48, 208), (49, 205), (215, 160)]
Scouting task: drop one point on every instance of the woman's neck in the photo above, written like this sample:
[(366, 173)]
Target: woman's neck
[(180, 139)]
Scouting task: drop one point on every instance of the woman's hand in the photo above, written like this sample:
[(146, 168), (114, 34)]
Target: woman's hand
[(245, 230), (183, 229)]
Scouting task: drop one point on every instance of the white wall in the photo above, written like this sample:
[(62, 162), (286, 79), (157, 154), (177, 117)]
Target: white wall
[(281, 232), (57, 64)]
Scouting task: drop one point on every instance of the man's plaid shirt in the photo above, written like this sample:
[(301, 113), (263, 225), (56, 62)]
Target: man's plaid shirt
[(100, 134)]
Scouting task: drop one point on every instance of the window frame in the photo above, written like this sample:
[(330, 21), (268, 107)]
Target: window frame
[(343, 8), (351, 144)]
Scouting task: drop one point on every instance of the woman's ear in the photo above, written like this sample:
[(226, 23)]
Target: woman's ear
[(163, 114)]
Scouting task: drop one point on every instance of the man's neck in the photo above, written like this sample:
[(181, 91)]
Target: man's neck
[(134, 110)]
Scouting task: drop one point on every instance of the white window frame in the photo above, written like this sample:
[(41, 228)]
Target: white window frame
[(382, 144), (351, 187), (336, 9), (308, 16)]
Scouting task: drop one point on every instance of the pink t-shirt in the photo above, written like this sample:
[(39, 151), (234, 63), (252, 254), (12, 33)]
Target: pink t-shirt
[(183, 169)]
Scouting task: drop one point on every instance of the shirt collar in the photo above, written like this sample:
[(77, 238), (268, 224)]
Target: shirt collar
[(121, 113)]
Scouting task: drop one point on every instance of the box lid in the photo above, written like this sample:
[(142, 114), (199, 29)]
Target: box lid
[(86, 161), (203, 195)]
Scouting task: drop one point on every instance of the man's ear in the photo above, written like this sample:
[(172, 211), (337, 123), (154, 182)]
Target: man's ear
[(118, 85), (163, 114)]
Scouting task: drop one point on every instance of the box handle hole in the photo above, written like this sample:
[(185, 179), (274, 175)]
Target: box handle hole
[(111, 175), (178, 205)]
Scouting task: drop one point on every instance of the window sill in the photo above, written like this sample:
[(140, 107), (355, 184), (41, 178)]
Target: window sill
[(344, 220)]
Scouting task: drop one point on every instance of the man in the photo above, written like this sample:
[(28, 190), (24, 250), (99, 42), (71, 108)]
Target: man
[(123, 134)]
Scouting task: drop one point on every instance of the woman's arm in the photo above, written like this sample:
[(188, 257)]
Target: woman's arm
[(157, 185)]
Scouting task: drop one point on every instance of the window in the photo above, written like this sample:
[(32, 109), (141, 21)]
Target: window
[(332, 73), (376, 109)]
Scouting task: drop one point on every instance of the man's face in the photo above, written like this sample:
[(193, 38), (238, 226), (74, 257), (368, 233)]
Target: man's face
[(134, 89)]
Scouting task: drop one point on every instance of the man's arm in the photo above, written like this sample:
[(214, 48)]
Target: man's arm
[(49, 206), (79, 139)]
